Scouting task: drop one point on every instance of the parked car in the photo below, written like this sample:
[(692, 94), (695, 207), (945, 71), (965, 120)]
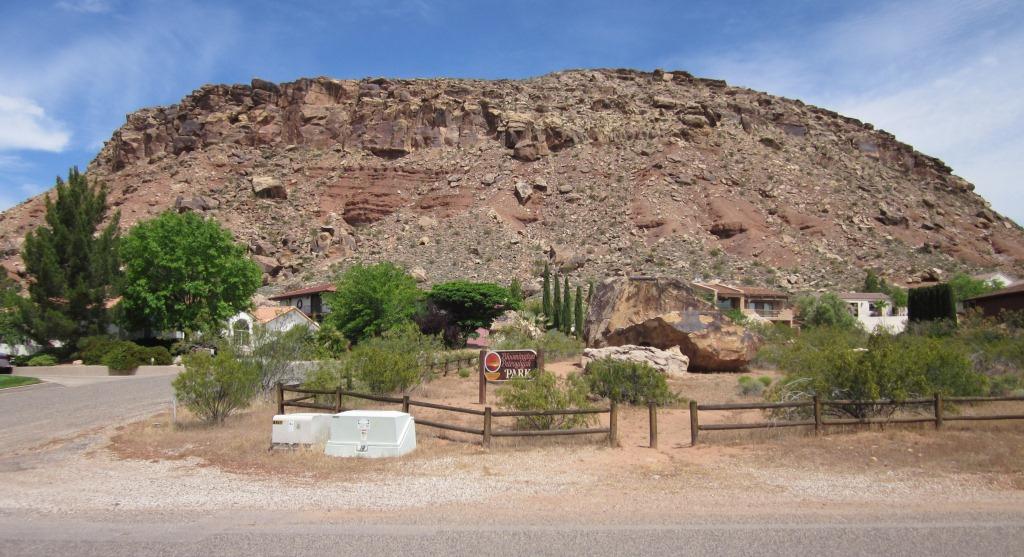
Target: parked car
[(5, 364)]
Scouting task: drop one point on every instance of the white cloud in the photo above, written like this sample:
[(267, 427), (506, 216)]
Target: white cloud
[(85, 6), (25, 125)]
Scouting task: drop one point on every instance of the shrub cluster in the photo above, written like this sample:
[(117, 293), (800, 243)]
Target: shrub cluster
[(41, 360), (750, 386), (212, 387), (545, 392), (555, 344), (120, 355), (631, 382)]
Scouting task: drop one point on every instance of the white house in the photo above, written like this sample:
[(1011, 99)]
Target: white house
[(278, 319), (307, 300), (875, 311)]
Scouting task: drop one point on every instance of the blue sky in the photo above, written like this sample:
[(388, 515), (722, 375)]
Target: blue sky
[(945, 77)]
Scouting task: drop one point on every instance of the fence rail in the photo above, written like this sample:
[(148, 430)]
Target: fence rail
[(937, 403), (454, 364), (488, 414)]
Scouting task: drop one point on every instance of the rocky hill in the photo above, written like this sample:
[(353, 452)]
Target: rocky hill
[(603, 172)]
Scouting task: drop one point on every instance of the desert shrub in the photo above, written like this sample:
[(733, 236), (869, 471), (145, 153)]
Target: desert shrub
[(395, 361), (273, 353), (124, 356), (212, 387), (555, 344), (748, 386), (546, 392), (41, 360), (736, 316), (465, 372), (1006, 385), (159, 356), (632, 382), (884, 367)]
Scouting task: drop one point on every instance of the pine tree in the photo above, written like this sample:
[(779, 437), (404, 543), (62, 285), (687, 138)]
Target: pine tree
[(72, 268), (567, 319), (556, 308), (579, 312), (546, 303)]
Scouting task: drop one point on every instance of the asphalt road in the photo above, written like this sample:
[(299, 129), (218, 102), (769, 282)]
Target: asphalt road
[(35, 415), (989, 535)]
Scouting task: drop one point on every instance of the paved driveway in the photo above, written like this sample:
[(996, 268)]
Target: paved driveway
[(67, 405)]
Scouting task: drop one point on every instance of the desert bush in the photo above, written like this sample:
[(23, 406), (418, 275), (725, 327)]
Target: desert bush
[(555, 344), (396, 361), (124, 356), (41, 360), (826, 310), (92, 349), (159, 356), (546, 392), (272, 353), (632, 382), (212, 387), (834, 366), (748, 386)]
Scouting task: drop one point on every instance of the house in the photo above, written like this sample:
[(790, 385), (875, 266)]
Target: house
[(875, 311), (994, 303), (275, 318), (308, 300), (758, 303)]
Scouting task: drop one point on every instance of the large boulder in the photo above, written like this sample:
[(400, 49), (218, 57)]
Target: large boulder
[(670, 362), (663, 313)]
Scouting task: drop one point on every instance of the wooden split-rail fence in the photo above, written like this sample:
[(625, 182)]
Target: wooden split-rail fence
[(308, 399)]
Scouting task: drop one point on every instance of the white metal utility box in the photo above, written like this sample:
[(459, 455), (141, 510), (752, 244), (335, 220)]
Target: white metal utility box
[(371, 434), (300, 429)]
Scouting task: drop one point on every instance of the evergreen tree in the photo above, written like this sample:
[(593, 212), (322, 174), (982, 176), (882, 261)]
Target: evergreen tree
[(72, 263), (556, 308), (871, 282), (567, 319), (579, 312), (546, 302)]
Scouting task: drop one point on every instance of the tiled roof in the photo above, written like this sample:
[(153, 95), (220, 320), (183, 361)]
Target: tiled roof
[(266, 314), (315, 289), (864, 297), (762, 292)]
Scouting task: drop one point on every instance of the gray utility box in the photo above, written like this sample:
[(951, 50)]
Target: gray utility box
[(371, 434), (300, 429)]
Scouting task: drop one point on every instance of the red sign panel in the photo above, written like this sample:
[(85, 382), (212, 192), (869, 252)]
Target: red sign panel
[(502, 365)]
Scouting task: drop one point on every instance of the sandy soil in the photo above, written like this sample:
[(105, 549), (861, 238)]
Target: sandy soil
[(151, 466)]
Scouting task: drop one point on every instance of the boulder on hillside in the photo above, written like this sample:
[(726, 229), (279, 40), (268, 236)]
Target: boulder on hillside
[(197, 203), (268, 187), (670, 362), (663, 313)]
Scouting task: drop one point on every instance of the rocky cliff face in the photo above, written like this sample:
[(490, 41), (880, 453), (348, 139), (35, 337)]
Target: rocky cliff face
[(602, 172)]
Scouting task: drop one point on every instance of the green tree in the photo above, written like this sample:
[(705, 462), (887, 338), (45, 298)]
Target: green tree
[(826, 310), (965, 286), (556, 308), (11, 329), (183, 273), (472, 304), (567, 319), (515, 290), (871, 282), (72, 262), (546, 303), (579, 312), (372, 299)]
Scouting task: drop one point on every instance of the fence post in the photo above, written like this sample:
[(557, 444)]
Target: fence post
[(405, 404), (487, 427), (483, 380), (694, 425), (938, 410), (280, 398), (652, 409), (817, 415), (337, 401), (613, 426)]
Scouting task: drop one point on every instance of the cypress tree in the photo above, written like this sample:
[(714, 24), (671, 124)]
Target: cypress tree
[(567, 319), (72, 264), (546, 303), (579, 312), (556, 308)]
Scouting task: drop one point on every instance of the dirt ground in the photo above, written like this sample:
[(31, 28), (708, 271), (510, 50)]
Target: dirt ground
[(983, 454)]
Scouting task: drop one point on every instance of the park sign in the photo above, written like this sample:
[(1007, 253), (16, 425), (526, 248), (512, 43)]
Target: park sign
[(497, 366)]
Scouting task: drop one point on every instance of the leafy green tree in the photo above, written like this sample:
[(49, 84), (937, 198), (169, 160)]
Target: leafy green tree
[(472, 304), (72, 263), (546, 303), (183, 273), (872, 282), (556, 308), (579, 311), (826, 310), (372, 299), (965, 286)]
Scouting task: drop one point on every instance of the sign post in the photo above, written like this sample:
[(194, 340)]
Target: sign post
[(498, 366)]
